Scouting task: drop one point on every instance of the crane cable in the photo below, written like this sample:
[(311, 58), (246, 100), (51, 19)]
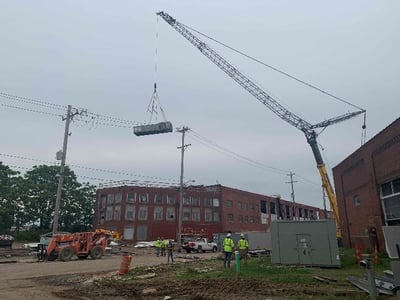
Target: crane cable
[(363, 134), (275, 69)]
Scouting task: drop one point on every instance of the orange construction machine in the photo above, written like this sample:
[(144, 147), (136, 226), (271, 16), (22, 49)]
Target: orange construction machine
[(81, 244)]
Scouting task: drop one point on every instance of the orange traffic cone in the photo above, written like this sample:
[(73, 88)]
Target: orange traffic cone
[(125, 263)]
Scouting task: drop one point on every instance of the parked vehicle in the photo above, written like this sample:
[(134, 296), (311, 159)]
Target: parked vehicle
[(200, 245), (6, 241)]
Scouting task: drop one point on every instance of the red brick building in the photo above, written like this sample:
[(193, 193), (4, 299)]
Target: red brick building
[(145, 213), (367, 185)]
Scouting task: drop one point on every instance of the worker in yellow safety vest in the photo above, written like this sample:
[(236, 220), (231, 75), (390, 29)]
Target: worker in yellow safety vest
[(157, 245), (228, 246), (243, 246)]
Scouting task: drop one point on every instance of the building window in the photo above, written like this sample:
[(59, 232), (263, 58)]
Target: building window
[(356, 200), (186, 214), (195, 201), (142, 215), (216, 202), (272, 206), (117, 213), (103, 201), (142, 233), (118, 198), (240, 219), (208, 215), (158, 199), (390, 188), (246, 219), (170, 214), (109, 213), (208, 202), (229, 203), (128, 232), (158, 213), (391, 201), (251, 219), (143, 198), (110, 199), (170, 200), (216, 216), (256, 207), (251, 206), (230, 218), (130, 212), (131, 198), (305, 213), (263, 206), (287, 212), (300, 212), (196, 214), (245, 206), (386, 189), (186, 201)]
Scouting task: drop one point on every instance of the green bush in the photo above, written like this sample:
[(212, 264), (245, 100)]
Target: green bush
[(27, 236)]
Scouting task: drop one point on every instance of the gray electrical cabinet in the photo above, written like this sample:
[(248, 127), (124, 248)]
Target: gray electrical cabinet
[(308, 243)]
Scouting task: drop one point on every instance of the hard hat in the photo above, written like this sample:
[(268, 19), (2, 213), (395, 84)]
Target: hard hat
[(228, 235), (241, 235)]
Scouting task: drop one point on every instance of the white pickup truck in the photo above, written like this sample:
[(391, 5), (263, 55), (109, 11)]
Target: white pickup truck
[(200, 245)]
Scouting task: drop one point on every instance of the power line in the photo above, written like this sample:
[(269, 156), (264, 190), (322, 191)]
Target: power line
[(111, 121), (212, 145), (30, 110), (242, 158), (33, 101), (90, 168)]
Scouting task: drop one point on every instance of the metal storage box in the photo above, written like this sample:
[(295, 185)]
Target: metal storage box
[(308, 243)]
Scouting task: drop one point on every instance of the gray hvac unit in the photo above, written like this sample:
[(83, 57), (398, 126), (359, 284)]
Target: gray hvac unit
[(308, 243), (162, 127)]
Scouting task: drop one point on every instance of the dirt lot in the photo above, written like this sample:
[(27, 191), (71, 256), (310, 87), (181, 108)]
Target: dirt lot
[(99, 279)]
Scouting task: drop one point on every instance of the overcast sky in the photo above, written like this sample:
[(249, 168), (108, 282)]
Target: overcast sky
[(100, 55)]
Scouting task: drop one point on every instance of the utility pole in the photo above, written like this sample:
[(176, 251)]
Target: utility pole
[(180, 212), (292, 194), (67, 119)]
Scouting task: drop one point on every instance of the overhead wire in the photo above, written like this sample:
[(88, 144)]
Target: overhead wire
[(91, 168), (31, 110), (208, 143), (219, 148)]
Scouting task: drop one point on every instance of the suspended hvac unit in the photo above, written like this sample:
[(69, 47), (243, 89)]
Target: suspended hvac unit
[(162, 127), (154, 128)]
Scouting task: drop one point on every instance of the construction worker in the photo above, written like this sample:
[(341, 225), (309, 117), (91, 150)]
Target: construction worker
[(228, 246), (163, 246), (170, 250), (243, 247), (157, 245)]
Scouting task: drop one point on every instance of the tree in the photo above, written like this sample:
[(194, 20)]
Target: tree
[(9, 196), (40, 194)]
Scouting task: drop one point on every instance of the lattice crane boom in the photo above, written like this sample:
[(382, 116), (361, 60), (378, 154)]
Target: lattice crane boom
[(286, 115)]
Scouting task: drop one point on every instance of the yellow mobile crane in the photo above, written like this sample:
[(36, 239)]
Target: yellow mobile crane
[(286, 115)]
